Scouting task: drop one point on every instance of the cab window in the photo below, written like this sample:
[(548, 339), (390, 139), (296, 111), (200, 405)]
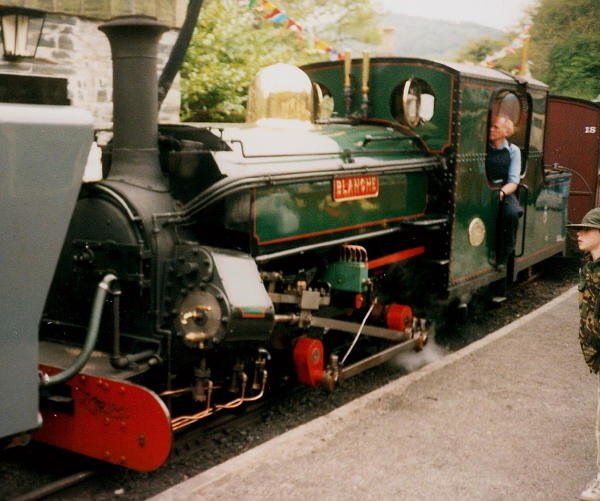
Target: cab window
[(515, 107), (412, 102)]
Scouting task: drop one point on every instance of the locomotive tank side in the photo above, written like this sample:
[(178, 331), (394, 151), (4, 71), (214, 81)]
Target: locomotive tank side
[(43, 151), (282, 190)]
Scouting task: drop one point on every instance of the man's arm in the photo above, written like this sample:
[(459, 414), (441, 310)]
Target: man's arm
[(514, 172)]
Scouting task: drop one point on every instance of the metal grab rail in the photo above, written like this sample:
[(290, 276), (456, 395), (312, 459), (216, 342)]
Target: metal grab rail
[(525, 189)]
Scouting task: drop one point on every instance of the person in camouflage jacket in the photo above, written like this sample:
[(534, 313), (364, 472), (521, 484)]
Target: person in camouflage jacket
[(589, 312), (588, 240)]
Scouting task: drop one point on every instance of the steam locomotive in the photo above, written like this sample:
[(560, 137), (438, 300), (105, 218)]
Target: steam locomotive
[(212, 262)]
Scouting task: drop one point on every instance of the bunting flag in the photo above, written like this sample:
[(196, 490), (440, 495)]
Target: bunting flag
[(277, 16), (517, 43)]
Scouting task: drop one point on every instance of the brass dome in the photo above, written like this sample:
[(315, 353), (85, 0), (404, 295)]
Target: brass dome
[(280, 92)]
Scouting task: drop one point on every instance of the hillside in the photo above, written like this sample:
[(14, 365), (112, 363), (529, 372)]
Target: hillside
[(420, 37), (428, 38)]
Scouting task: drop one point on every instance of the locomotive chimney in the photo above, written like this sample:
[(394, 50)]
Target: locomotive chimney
[(134, 46)]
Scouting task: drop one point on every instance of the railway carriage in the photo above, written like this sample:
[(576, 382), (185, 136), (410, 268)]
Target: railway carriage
[(215, 262), (573, 142)]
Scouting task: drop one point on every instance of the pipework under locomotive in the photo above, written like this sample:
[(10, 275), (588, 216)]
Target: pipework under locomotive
[(215, 262)]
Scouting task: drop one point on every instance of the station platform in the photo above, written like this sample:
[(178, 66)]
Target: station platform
[(509, 417)]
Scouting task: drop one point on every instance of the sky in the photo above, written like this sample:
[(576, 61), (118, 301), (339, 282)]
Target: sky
[(500, 14)]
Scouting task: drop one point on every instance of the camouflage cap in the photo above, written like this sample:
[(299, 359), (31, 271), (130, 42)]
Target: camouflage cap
[(590, 220)]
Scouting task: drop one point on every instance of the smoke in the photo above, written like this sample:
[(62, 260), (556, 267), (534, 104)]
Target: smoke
[(412, 360)]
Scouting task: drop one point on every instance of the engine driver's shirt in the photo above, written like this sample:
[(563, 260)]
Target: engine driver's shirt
[(589, 311), (497, 160)]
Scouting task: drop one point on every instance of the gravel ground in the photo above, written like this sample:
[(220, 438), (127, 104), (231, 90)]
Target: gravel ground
[(23, 469)]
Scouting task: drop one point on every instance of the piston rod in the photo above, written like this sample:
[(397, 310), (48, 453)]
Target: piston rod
[(350, 327), (374, 360)]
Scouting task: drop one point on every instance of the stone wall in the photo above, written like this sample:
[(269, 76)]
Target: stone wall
[(74, 48), (169, 12)]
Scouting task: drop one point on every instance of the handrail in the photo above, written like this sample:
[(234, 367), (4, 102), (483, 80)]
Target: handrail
[(526, 190)]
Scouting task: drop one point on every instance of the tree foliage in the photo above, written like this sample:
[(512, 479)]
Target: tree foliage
[(564, 48), (475, 51), (232, 42)]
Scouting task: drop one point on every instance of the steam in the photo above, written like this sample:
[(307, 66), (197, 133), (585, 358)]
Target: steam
[(410, 360)]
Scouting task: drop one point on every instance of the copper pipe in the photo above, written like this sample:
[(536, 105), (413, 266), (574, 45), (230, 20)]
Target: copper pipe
[(181, 422), (238, 401), (172, 393), (260, 394)]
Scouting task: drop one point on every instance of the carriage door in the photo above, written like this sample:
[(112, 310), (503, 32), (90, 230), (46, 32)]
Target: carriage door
[(573, 141)]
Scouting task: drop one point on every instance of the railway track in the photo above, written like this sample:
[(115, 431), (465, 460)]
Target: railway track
[(56, 486)]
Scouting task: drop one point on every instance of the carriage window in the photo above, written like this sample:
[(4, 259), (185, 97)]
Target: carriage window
[(412, 102)]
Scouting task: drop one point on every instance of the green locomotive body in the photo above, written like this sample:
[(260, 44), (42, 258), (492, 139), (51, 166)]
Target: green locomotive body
[(271, 201), (238, 257)]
